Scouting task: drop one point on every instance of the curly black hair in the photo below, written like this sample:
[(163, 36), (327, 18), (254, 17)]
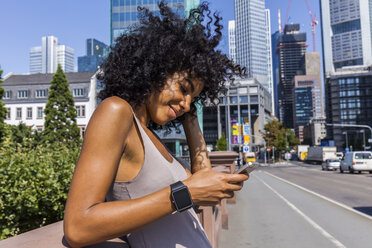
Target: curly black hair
[(141, 60)]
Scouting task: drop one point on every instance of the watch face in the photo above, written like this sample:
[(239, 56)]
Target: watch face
[(182, 199)]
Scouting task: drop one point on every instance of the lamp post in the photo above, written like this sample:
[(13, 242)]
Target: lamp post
[(364, 139), (347, 145)]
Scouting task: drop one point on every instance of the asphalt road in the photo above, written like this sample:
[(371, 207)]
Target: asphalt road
[(299, 205)]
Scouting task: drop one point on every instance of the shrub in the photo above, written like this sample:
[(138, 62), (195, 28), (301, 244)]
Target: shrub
[(34, 182)]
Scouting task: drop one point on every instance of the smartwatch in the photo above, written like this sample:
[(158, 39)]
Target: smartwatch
[(180, 196)]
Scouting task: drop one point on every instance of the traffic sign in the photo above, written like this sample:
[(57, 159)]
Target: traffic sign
[(246, 148), (369, 140), (268, 149)]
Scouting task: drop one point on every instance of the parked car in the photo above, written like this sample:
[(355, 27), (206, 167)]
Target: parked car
[(331, 164), (357, 161)]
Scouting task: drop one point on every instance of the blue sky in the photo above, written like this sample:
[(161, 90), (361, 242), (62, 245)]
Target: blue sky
[(24, 22)]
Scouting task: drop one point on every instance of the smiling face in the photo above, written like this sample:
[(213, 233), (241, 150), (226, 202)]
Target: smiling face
[(174, 100)]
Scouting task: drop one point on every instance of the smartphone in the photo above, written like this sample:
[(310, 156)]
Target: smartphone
[(248, 168)]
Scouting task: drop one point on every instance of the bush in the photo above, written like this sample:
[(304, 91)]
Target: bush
[(34, 182)]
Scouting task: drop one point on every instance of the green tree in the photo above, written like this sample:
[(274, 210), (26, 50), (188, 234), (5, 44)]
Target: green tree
[(3, 110), (60, 113), (221, 143)]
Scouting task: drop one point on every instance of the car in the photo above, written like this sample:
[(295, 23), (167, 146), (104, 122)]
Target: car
[(331, 164), (357, 161)]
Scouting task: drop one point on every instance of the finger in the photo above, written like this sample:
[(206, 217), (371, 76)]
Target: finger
[(229, 194), (233, 187), (236, 177)]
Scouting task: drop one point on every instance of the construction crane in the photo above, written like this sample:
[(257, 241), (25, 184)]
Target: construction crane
[(313, 23)]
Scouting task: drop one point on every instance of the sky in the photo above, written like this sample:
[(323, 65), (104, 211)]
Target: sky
[(24, 22)]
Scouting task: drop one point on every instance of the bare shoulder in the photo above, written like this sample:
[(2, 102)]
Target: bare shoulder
[(116, 105)]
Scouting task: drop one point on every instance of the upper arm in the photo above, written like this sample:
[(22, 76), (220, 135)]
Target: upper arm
[(103, 146)]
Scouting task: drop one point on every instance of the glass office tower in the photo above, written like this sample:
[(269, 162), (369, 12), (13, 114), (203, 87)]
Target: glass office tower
[(346, 34), (124, 13), (251, 38), (96, 51)]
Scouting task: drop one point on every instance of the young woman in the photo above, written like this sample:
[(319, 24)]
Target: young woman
[(126, 182)]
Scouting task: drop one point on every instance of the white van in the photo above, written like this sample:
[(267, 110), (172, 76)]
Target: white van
[(357, 161)]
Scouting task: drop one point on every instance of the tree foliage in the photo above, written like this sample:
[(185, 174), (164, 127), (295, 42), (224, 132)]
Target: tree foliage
[(34, 182), (221, 143), (3, 110), (276, 135), (60, 113)]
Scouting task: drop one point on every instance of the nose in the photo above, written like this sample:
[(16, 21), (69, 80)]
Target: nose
[(185, 104)]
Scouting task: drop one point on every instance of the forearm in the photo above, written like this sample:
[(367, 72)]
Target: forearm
[(197, 147), (109, 220)]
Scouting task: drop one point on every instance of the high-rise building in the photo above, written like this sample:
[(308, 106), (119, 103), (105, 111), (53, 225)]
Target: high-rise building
[(232, 44), (346, 34), (251, 38), (124, 13), (45, 58), (291, 50), (275, 64), (347, 55), (96, 52), (269, 64)]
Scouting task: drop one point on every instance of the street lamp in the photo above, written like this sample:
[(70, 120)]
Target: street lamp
[(347, 145), (364, 139)]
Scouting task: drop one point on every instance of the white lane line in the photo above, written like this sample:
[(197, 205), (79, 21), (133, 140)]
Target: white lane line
[(308, 219), (321, 196)]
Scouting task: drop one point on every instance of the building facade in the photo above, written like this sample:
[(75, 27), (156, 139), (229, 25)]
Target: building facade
[(346, 34), (251, 38), (270, 75), (315, 131), (45, 58), (307, 93), (124, 14), (26, 97), (242, 114), (275, 65), (349, 101), (291, 50), (96, 51), (232, 41)]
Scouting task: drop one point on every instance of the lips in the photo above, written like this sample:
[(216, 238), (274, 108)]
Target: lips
[(173, 112)]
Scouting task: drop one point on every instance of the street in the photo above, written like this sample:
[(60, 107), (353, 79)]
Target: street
[(299, 205)]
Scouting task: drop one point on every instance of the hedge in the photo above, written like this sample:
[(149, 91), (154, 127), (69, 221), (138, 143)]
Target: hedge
[(34, 182)]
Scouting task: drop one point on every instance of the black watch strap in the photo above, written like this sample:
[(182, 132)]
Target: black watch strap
[(180, 196)]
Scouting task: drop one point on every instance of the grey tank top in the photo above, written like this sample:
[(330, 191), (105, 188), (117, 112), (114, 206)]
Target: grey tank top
[(175, 230)]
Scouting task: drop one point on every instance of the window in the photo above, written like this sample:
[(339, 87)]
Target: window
[(19, 113), (78, 92), (22, 94), (80, 110), (39, 128), (8, 94), (8, 113), (29, 113), (39, 112), (41, 93)]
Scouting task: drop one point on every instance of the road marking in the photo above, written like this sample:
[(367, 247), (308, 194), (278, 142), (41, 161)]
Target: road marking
[(308, 219), (321, 196)]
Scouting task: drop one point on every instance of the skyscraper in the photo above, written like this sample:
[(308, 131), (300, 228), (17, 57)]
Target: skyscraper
[(232, 44), (346, 34), (291, 50), (251, 38), (275, 65), (347, 55), (124, 13), (96, 52), (45, 58), (269, 64)]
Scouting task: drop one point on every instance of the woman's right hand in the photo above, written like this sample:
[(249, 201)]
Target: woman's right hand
[(208, 187)]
